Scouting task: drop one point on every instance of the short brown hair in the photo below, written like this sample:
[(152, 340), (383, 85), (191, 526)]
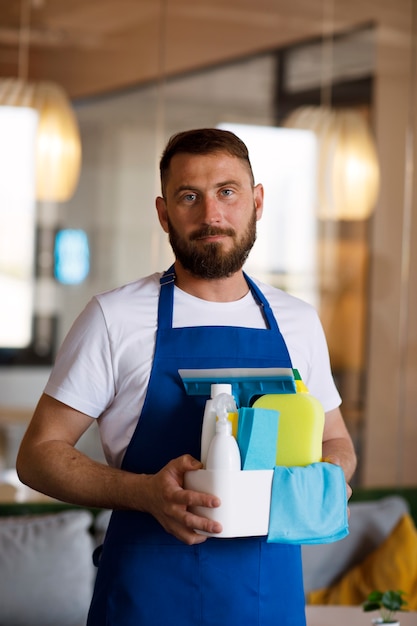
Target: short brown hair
[(203, 141)]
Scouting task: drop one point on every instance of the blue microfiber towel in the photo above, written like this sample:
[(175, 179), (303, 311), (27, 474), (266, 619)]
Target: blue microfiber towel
[(308, 504)]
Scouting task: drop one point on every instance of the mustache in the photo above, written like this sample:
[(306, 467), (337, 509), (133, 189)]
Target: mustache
[(211, 231)]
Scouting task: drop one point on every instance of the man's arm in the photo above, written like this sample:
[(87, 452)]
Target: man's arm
[(48, 462), (337, 444)]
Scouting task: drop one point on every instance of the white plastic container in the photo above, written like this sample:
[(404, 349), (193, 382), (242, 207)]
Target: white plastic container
[(245, 495), (245, 499)]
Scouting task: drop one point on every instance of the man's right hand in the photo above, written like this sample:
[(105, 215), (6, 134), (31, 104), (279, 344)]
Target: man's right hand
[(167, 500)]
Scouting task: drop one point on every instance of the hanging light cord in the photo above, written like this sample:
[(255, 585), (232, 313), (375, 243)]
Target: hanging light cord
[(161, 69), (327, 54), (24, 39), (160, 121)]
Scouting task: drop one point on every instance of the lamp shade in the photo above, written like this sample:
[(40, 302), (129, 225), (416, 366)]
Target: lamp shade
[(58, 145), (348, 169)]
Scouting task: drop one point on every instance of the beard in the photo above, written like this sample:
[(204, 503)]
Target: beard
[(209, 260)]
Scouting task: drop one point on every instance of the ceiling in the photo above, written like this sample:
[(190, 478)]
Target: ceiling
[(95, 46)]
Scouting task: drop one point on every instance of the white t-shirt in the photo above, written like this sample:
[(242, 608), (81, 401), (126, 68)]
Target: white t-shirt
[(104, 364)]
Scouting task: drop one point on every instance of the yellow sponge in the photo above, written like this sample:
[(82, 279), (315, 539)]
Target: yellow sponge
[(300, 427)]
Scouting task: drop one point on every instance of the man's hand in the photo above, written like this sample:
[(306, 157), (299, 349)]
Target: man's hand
[(338, 447), (166, 499), (336, 461)]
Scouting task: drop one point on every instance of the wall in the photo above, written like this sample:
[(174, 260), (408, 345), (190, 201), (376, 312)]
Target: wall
[(391, 425)]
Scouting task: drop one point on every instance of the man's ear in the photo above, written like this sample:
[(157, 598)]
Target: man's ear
[(161, 209), (258, 195)]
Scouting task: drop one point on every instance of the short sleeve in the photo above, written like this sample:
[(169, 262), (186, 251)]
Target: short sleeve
[(82, 376)]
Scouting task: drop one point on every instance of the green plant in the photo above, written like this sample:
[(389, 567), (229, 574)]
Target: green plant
[(387, 603)]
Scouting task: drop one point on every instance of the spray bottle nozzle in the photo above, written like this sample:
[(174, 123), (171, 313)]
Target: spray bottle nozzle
[(223, 404)]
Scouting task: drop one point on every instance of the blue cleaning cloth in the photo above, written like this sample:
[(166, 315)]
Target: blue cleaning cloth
[(257, 434), (308, 504)]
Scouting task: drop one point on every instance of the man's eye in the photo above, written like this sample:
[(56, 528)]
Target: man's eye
[(190, 197), (226, 192)]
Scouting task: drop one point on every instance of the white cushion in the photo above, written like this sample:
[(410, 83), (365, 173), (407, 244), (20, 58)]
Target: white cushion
[(46, 569)]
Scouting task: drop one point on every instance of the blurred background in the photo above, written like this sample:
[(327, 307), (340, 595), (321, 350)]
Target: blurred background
[(324, 94)]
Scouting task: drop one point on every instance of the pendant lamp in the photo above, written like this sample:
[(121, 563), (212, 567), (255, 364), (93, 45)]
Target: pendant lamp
[(58, 145), (347, 162), (348, 170)]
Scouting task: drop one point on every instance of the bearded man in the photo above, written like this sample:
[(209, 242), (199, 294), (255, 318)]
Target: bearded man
[(119, 364)]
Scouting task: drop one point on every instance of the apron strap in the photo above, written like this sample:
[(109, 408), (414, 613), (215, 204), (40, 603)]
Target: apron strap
[(166, 298), (262, 303)]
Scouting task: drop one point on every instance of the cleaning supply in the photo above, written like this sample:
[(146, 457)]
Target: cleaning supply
[(245, 500), (209, 418), (247, 382), (257, 437), (223, 452), (263, 395), (308, 505), (300, 427)]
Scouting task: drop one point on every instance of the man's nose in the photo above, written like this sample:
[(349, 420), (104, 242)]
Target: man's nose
[(211, 210)]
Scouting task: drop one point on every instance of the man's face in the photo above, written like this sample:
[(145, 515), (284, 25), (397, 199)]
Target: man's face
[(210, 212)]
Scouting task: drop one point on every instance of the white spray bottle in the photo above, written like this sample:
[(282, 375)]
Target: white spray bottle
[(223, 452), (209, 419)]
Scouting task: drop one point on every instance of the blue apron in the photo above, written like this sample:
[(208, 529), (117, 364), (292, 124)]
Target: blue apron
[(147, 577)]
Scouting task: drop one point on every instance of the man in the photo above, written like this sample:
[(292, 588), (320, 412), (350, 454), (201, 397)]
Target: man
[(120, 364)]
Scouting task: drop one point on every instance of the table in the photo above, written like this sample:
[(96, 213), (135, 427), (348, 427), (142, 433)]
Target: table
[(350, 616)]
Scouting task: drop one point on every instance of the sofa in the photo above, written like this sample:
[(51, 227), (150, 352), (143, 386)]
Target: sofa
[(47, 574), (380, 551)]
